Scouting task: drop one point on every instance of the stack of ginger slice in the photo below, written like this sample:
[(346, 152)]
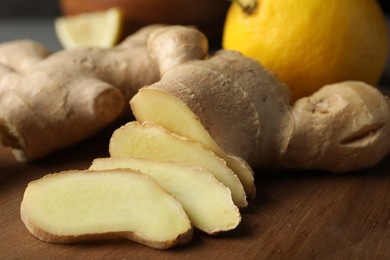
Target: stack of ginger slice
[(155, 188)]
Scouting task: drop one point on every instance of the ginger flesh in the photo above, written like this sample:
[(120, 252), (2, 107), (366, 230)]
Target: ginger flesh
[(76, 206), (149, 141), (207, 202), (186, 123)]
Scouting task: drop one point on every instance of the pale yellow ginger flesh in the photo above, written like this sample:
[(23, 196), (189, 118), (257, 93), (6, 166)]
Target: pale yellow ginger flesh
[(76, 206), (207, 202), (150, 141), (161, 108)]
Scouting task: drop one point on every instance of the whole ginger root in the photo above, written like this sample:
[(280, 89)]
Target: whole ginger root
[(48, 102)]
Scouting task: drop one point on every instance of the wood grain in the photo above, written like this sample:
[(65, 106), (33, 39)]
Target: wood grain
[(296, 215)]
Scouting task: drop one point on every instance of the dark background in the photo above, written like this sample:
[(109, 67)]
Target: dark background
[(12, 8), (17, 8), (385, 4)]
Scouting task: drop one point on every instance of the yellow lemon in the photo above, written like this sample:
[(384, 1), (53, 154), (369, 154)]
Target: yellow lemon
[(100, 29), (310, 43)]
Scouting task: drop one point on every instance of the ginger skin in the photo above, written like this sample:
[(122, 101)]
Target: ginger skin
[(350, 123), (247, 111)]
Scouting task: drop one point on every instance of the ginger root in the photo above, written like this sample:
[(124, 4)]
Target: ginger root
[(49, 101), (246, 110)]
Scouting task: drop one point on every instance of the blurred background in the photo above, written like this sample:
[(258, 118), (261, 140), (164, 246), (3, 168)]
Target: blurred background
[(34, 19), (17, 8), (12, 8)]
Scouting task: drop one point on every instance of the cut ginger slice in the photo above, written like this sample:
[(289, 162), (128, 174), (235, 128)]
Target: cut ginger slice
[(166, 110), (74, 206), (150, 141), (207, 202)]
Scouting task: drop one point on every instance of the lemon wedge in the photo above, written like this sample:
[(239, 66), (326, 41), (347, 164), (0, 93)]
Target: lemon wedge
[(92, 29)]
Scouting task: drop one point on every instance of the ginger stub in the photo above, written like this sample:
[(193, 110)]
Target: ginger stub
[(76, 206)]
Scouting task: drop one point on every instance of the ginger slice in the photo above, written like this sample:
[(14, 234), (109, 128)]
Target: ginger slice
[(150, 141), (170, 112), (74, 206), (207, 202)]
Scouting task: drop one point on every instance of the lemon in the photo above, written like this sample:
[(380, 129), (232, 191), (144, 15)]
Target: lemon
[(100, 29), (311, 43)]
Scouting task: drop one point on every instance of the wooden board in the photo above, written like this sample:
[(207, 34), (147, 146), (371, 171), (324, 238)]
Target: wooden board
[(296, 215)]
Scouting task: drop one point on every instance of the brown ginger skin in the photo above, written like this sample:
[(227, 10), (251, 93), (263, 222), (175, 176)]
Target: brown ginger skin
[(349, 122), (48, 101), (247, 111)]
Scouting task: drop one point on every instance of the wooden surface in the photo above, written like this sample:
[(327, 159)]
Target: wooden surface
[(296, 215)]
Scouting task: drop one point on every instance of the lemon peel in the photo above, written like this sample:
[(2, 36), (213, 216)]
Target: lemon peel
[(311, 43)]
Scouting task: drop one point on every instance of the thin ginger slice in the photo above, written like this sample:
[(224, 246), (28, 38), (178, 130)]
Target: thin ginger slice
[(150, 141), (74, 206), (207, 202), (166, 110)]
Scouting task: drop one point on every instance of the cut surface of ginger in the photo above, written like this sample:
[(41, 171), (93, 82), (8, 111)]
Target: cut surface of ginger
[(207, 202), (150, 141), (74, 206), (166, 110)]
